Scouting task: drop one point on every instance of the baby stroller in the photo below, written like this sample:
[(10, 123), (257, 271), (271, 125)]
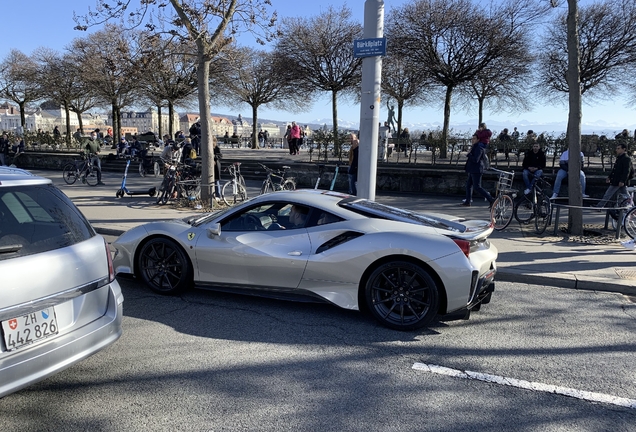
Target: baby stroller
[(148, 165)]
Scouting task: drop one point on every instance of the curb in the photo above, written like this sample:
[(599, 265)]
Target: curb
[(587, 283)]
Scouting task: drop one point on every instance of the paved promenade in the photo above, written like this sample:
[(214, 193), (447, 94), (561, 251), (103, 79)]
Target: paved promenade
[(591, 263)]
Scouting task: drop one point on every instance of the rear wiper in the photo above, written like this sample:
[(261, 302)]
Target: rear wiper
[(10, 248)]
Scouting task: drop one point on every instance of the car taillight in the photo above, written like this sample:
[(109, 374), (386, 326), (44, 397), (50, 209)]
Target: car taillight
[(464, 245), (111, 268)]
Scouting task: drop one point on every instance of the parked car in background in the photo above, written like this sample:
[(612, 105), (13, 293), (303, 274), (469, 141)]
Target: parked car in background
[(59, 300), (404, 267)]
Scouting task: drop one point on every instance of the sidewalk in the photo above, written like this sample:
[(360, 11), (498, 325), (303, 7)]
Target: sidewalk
[(601, 264)]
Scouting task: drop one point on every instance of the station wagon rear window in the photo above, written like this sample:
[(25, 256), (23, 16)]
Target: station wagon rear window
[(38, 218)]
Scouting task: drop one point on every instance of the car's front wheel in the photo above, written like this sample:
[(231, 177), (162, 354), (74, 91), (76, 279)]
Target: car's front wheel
[(402, 295), (164, 267)]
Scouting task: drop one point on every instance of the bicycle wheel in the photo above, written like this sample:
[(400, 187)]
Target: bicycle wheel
[(542, 218), (501, 212), (267, 187), (289, 184), (524, 210), (156, 169), (142, 170), (233, 193), (164, 191), (91, 177), (69, 173), (629, 223)]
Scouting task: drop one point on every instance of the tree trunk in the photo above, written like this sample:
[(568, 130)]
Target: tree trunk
[(67, 113), (160, 125), (22, 116), (207, 149), (254, 126), (337, 145), (575, 216), (170, 117), (80, 122), (443, 151)]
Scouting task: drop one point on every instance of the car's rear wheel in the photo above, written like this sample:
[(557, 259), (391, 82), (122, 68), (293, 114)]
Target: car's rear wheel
[(164, 267), (402, 295)]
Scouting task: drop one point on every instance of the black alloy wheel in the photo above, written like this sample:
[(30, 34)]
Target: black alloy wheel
[(402, 295), (164, 267)]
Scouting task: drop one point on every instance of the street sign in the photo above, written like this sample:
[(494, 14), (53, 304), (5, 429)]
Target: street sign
[(369, 47)]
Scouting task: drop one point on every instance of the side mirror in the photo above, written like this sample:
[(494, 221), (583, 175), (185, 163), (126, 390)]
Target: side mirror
[(214, 230)]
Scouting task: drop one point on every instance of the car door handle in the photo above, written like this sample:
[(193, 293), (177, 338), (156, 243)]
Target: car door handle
[(295, 253)]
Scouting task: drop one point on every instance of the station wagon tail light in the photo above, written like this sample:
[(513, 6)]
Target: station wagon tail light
[(464, 245), (111, 268)]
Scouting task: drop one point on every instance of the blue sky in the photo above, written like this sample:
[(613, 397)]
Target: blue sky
[(29, 24)]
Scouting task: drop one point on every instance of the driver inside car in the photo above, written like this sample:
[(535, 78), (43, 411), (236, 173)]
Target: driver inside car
[(298, 216)]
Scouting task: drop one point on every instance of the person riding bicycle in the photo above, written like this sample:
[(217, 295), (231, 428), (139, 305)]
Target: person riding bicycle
[(533, 166), (92, 148)]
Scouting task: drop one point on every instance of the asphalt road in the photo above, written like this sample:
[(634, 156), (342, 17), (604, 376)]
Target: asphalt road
[(211, 361)]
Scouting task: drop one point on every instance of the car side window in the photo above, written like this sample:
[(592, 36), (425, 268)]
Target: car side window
[(326, 218)]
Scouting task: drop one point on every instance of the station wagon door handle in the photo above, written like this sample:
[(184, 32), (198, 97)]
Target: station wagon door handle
[(295, 253)]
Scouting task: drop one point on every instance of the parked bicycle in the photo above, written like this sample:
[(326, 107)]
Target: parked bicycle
[(179, 181), (81, 169), (148, 165), (535, 205), (629, 216), (234, 190), (282, 182), (502, 208)]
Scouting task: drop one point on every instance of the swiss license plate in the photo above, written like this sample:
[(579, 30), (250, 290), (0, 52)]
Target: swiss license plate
[(29, 328)]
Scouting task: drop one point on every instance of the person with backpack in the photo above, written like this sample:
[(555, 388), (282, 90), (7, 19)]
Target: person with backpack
[(476, 164), (621, 173)]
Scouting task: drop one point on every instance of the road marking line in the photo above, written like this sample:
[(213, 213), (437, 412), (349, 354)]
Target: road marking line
[(527, 385)]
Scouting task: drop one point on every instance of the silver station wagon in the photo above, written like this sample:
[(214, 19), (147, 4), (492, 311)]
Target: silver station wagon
[(59, 300)]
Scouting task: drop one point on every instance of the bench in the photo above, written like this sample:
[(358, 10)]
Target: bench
[(561, 203)]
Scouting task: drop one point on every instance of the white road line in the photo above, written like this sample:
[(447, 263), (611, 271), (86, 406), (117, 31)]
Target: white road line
[(527, 385)]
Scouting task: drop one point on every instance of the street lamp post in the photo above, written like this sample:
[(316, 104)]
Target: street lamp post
[(370, 102)]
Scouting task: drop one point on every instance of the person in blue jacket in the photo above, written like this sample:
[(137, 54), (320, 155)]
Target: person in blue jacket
[(476, 163)]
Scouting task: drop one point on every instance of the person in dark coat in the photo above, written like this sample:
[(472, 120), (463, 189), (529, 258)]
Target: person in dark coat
[(621, 173), (533, 165), (217, 167), (476, 163)]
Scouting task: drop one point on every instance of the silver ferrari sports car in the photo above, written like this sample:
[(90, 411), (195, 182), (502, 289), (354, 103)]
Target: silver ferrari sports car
[(401, 266)]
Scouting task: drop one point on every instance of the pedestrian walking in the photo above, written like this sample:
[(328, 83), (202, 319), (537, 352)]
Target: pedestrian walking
[(4, 149), (353, 164), (476, 164)]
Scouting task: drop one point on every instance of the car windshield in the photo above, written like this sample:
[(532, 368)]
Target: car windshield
[(36, 219), (373, 209)]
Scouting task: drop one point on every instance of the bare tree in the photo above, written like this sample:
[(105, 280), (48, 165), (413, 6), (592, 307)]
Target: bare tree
[(318, 55), (210, 24), (168, 74), (607, 46), (500, 86), (402, 79), (454, 40), (19, 81), (252, 77), (108, 60)]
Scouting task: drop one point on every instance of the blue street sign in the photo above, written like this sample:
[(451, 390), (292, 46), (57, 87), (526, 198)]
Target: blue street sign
[(369, 47)]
